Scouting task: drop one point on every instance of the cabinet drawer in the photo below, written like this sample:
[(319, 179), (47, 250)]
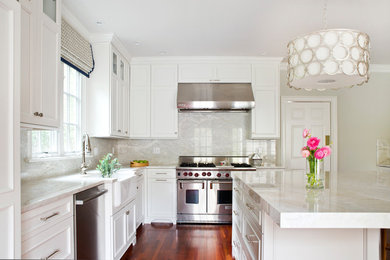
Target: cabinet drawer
[(252, 209), (46, 215), (237, 214), (252, 240), (162, 173), (55, 242)]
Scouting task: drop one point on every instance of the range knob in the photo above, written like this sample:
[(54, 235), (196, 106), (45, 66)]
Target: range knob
[(190, 174), (204, 174), (209, 174), (227, 174), (185, 173), (196, 174), (218, 175)]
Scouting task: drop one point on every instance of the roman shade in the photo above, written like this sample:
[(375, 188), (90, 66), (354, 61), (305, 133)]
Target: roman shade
[(76, 51)]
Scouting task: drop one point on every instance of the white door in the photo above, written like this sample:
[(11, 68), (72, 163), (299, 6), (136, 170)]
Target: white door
[(298, 116), (10, 236), (119, 233), (161, 199), (130, 222)]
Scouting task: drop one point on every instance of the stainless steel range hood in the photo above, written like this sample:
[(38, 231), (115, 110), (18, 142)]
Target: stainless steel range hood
[(206, 97)]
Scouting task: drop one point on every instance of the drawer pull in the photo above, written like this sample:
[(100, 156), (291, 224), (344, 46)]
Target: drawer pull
[(161, 173), (250, 240), (161, 180), (235, 243), (52, 254), (235, 213), (249, 207), (48, 217), (236, 190)]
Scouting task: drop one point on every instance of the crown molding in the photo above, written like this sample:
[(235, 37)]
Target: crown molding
[(74, 22), (204, 59)]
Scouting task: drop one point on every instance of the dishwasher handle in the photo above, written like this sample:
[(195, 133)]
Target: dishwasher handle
[(93, 196)]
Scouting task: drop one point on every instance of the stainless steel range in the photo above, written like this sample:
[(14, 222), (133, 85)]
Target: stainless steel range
[(204, 187)]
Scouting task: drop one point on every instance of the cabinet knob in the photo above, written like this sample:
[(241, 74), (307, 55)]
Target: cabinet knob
[(175, 133), (126, 132), (127, 212), (119, 130), (36, 114), (40, 114)]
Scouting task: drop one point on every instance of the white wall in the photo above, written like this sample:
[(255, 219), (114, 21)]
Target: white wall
[(363, 117)]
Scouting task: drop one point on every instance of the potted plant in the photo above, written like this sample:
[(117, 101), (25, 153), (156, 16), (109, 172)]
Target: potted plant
[(314, 160), (108, 166)]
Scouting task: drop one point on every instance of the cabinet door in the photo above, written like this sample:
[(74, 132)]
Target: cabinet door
[(130, 223), (164, 114), (139, 202), (119, 233), (234, 73), (140, 101), (197, 73), (161, 199), (266, 114), (126, 101), (50, 55), (28, 20), (10, 129)]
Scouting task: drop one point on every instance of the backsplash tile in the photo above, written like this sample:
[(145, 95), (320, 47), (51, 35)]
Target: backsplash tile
[(200, 134)]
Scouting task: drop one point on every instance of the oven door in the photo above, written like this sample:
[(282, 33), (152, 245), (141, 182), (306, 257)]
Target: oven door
[(220, 197), (191, 197)]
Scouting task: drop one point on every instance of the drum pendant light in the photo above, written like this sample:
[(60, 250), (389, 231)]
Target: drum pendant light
[(328, 59)]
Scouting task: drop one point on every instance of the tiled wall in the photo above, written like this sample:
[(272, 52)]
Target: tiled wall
[(200, 134)]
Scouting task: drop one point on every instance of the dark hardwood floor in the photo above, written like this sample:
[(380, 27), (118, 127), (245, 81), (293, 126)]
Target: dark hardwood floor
[(166, 242)]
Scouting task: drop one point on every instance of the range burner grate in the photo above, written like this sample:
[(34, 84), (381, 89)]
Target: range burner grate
[(184, 164), (241, 165), (206, 165)]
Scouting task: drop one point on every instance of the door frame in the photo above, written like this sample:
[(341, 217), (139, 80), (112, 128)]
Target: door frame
[(333, 122)]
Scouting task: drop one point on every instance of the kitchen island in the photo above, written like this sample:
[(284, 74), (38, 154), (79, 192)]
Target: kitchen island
[(276, 217)]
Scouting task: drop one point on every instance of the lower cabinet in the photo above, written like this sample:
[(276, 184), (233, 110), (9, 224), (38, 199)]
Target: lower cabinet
[(123, 229), (140, 200), (47, 231), (161, 195)]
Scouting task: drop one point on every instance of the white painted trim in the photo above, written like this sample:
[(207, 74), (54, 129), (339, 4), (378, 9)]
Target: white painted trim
[(333, 123), (204, 59), (113, 39), (375, 68), (74, 22)]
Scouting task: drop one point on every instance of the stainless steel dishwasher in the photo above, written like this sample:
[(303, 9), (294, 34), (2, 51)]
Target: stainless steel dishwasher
[(89, 223)]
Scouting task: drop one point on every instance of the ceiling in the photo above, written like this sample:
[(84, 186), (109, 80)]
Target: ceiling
[(229, 27)]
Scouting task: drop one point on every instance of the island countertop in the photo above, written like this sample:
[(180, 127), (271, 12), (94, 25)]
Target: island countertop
[(351, 199)]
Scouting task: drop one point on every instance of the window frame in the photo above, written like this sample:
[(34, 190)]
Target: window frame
[(60, 131)]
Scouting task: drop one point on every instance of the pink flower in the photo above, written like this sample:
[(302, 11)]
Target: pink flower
[(319, 154), (306, 133), (327, 151), (313, 143), (305, 153)]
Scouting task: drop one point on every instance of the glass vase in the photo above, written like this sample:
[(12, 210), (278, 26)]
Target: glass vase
[(314, 174)]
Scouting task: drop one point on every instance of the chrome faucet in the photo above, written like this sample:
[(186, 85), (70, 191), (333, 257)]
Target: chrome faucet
[(86, 146)]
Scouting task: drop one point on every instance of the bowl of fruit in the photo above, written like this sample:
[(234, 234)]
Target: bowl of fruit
[(139, 163)]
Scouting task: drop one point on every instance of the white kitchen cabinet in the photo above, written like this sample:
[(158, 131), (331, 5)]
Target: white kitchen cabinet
[(140, 198), (164, 113), (153, 109), (124, 229), (140, 101), (107, 94), (40, 82), (215, 73), (10, 129), (161, 195), (266, 90), (48, 232)]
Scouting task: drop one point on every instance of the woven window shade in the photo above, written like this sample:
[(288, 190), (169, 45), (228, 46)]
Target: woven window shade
[(76, 51)]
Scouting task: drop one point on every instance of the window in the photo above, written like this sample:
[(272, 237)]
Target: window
[(66, 141)]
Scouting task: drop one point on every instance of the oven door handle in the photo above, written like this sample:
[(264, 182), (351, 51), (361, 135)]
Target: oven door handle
[(220, 182), (181, 184)]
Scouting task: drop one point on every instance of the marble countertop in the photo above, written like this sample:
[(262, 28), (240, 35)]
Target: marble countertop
[(351, 199), (40, 192)]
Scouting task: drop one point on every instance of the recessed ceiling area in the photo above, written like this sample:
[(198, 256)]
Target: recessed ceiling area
[(229, 27)]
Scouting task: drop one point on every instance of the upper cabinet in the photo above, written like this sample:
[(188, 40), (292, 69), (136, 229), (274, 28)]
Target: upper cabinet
[(40, 49), (107, 94), (153, 109), (214, 73), (266, 90)]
